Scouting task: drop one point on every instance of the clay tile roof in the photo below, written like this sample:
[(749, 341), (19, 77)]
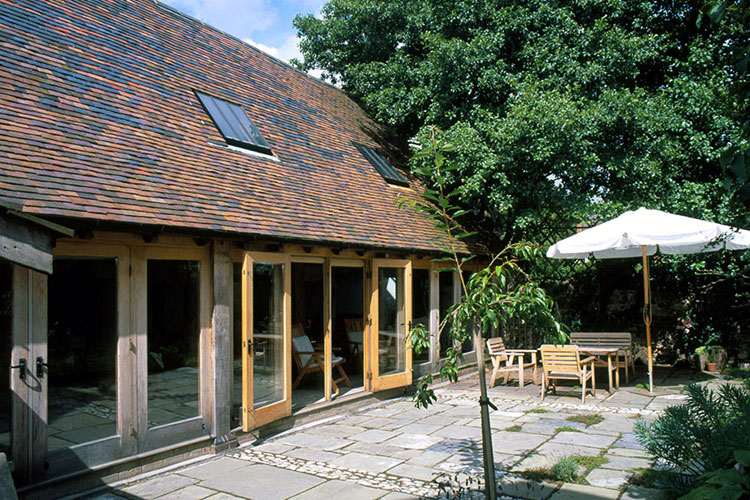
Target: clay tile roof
[(101, 121)]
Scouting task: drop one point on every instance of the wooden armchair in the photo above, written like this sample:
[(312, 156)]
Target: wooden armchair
[(503, 361), (355, 331), (564, 362), (309, 360)]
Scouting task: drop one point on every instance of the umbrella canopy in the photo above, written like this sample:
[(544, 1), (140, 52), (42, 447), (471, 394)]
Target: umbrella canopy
[(643, 232), (626, 235)]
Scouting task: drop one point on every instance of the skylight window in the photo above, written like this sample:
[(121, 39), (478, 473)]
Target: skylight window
[(384, 168), (234, 124)]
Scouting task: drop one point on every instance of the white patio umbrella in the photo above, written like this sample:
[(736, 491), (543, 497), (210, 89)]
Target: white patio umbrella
[(643, 232)]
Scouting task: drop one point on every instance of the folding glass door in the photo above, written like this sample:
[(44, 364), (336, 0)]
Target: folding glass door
[(266, 339), (390, 320)]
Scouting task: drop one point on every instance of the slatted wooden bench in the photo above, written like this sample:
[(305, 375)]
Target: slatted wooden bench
[(621, 340)]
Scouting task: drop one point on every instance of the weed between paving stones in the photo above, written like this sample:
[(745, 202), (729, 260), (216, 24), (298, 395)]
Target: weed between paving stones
[(566, 469), (591, 419)]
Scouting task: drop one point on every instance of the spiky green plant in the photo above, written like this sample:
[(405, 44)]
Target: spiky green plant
[(700, 435)]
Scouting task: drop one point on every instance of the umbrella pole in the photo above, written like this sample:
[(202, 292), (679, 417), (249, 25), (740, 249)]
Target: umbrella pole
[(647, 320)]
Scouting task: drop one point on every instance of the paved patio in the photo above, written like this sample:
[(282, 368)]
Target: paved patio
[(392, 451)]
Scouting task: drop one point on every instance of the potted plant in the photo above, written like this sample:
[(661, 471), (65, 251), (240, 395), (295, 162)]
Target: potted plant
[(712, 360)]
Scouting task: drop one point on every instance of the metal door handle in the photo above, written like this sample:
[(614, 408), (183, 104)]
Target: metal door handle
[(40, 365), (21, 368)]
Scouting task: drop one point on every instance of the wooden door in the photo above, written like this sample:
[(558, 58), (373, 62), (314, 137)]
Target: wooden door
[(389, 322), (266, 339)]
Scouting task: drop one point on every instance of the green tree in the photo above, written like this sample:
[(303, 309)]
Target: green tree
[(731, 19), (557, 110), (563, 112)]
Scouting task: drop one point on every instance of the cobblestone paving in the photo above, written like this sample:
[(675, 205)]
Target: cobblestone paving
[(391, 450)]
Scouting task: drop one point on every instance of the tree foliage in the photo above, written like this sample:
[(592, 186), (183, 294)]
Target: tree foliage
[(563, 112), (557, 110)]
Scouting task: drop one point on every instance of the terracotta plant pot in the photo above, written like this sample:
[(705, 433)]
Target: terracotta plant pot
[(711, 367)]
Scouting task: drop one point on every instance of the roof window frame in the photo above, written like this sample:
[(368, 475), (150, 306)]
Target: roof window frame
[(233, 123), (388, 172)]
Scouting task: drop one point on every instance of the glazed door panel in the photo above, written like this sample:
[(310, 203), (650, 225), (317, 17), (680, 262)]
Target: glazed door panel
[(390, 319), (266, 339)]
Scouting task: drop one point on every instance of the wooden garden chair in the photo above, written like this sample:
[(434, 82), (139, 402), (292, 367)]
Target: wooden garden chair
[(564, 362), (508, 361), (309, 360), (355, 331)]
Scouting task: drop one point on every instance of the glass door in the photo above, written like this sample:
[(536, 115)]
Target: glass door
[(266, 339), (390, 320)]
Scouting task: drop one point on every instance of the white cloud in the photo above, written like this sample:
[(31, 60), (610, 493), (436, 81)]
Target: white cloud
[(289, 49), (232, 16)]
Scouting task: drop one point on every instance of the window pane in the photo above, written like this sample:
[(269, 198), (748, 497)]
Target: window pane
[(421, 305), (173, 334), (446, 300), (6, 344), (268, 338), (391, 321), (82, 343)]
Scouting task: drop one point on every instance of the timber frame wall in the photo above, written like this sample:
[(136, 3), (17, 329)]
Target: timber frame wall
[(213, 425)]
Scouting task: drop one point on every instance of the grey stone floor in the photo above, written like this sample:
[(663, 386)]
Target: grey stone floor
[(392, 450)]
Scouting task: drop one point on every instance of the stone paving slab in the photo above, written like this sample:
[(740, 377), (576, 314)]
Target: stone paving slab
[(263, 481), (399, 496), (429, 458), (628, 452), (386, 450), (519, 487), (514, 443), (626, 463), (566, 450), (414, 441), (275, 447), (315, 441), (628, 441), (459, 432), (420, 428), (584, 439), (336, 430), (607, 478), (339, 489), (157, 487), (312, 454), (640, 493), (374, 436), (414, 471), (362, 461), (192, 492), (570, 491), (211, 468)]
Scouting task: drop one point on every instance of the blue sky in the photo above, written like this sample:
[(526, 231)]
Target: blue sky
[(267, 24)]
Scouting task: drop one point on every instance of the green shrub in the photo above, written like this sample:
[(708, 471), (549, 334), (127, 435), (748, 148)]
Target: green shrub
[(700, 435), (565, 469)]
